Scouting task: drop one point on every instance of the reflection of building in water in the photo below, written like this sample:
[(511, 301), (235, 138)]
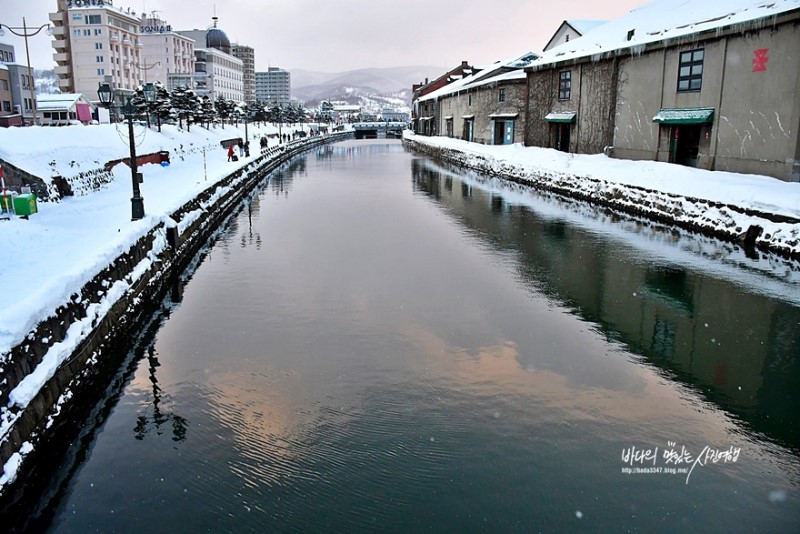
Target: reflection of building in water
[(739, 348)]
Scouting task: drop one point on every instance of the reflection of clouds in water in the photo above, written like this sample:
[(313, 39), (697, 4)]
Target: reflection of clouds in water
[(650, 402), (273, 419)]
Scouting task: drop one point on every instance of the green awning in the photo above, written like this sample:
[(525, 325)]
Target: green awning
[(560, 116), (685, 116)]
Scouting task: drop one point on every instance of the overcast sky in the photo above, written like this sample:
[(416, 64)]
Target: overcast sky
[(341, 35)]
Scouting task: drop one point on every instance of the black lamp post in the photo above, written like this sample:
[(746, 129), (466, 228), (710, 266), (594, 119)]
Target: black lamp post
[(106, 95)]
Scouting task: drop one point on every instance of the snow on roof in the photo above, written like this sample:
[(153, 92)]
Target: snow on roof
[(61, 101), (662, 20), (518, 62), (450, 88), (585, 26), (522, 61)]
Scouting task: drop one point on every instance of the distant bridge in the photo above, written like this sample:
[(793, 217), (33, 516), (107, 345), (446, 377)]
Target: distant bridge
[(373, 130)]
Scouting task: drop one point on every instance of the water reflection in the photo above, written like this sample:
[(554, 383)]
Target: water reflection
[(443, 358), (252, 237), (736, 347), (153, 420)]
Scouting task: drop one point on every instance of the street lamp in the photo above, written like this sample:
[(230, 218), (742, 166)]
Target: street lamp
[(145, 69), (106, 95), (26, 34)]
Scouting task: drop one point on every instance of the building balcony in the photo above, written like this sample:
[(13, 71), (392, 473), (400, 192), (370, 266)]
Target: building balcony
[(127, 41), (55, 17), (60, 44), (63, 70), (58, 31), (139, 44), (114, 37), (61, 57)]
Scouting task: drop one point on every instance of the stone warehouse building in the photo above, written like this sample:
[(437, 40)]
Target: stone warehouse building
[(716, 89), (712, 87), (487, 107)]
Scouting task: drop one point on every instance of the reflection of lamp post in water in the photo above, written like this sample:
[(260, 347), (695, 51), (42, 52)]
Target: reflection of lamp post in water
[(179, 424), (25, 34), (106, 97)]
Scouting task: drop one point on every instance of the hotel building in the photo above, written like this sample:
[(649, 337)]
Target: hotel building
[(274, 87), (96, 42)]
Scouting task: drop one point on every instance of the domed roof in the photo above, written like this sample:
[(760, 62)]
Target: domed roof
[(216, 38)]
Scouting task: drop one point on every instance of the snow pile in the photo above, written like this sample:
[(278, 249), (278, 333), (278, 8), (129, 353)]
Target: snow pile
[(51, 256), (665, 20), (716, 202)]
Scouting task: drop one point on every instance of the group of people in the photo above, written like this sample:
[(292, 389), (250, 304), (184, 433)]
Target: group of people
[(244, 147), (244, 150)]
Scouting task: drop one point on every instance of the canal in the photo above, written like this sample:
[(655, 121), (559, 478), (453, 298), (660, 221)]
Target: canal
[(378, 342)]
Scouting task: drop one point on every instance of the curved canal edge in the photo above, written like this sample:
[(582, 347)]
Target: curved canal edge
[(82, 335), (726, 222)]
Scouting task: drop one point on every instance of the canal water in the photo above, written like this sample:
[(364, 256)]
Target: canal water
[(378, 342)]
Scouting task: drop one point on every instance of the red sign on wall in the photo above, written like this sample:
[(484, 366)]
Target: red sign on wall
[(760, 62)]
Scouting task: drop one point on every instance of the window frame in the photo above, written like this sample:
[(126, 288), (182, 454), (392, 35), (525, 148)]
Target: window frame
[(565, 85), (691, 81), (501, 96)]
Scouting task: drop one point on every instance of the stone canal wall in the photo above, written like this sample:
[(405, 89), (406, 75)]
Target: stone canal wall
[(96, 321), (753, 229)]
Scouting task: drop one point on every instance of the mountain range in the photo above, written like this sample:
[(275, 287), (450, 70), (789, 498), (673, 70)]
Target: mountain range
[(372, 88), (351, 86)]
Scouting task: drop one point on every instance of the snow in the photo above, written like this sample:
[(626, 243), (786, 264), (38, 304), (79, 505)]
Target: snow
[(716, 200), (12, 465), (49, 257), (657, 21), (662, 20)]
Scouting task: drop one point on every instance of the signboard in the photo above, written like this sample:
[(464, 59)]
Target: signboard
[(88, 3), (155, 29)]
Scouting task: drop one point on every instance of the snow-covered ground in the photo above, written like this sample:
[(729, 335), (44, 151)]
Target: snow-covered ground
[(718, 202), (50, 256)]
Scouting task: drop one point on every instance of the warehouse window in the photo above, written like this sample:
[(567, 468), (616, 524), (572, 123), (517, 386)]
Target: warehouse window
[(565, 85), (690, 71)]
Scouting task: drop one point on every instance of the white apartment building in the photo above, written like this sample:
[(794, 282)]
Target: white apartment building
[(274, 87), (167, 56), (96, 42), (216, 71)]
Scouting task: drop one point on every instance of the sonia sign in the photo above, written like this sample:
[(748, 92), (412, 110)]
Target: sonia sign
[(155, 29), (88, 3)]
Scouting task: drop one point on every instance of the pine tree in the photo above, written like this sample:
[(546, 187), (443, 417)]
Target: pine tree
[(224, 109), (184, 102), (162, 107)]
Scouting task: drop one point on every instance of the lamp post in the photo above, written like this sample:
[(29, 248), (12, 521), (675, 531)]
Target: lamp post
[(145, 69), (106, 95), (16, 31)]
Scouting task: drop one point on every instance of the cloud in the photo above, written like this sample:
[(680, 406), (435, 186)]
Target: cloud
[(334, 36)]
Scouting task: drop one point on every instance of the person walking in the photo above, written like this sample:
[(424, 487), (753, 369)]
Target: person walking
[(230, 152), (241, 149)]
